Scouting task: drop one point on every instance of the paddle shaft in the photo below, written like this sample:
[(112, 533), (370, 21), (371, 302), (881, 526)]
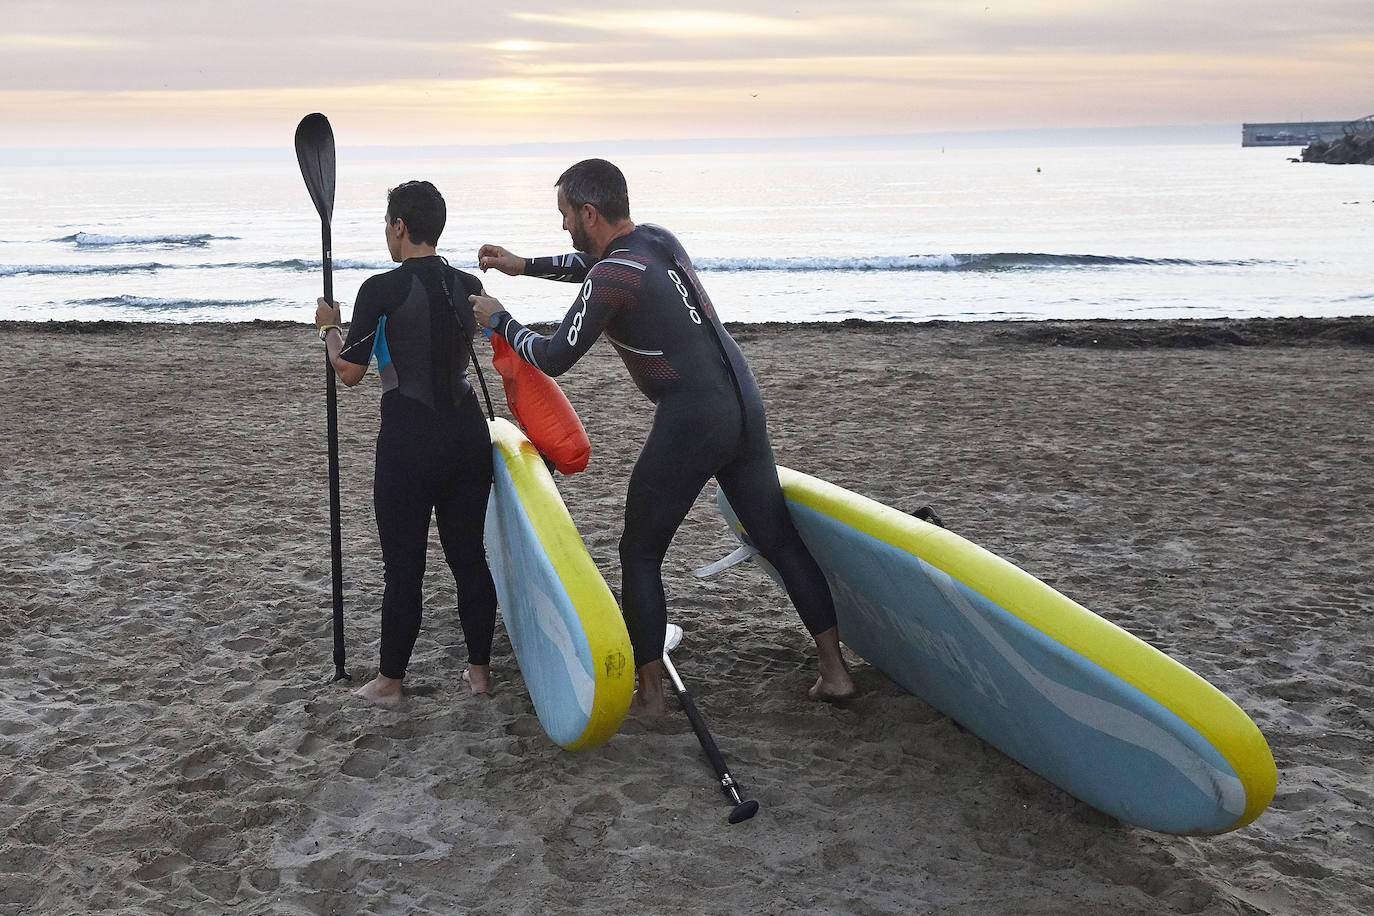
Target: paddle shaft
[(332, 431), (743, 809)]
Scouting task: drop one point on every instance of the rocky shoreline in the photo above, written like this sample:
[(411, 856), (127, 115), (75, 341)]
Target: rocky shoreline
[(1357, 150)]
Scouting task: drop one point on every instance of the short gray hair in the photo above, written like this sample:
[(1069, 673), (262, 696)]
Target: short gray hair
[(599, 183)]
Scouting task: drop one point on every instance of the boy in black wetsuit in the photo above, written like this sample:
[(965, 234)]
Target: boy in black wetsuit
[(640, 290), (433, 449)]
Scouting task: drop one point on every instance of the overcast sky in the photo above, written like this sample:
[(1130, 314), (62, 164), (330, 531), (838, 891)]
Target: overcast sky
[(242, 72)]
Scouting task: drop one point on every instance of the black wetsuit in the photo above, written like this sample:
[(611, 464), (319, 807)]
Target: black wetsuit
[(433, 449), (709, 418)]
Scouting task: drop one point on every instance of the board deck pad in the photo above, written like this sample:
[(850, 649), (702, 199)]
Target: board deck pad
[(1096, 711), (563, 621)]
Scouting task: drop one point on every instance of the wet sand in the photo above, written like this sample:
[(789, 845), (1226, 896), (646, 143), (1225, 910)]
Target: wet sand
[(170, 741)]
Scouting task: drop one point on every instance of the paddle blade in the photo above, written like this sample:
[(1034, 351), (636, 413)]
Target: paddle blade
[(315, 153)]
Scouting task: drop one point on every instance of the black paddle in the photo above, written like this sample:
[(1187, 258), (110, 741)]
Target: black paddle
[(743, 810), (315, 153)]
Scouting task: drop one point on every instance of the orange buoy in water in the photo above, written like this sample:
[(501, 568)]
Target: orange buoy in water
[(541, 410)]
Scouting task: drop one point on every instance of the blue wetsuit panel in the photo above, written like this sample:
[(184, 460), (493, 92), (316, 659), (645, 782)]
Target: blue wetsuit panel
[(379, 350)]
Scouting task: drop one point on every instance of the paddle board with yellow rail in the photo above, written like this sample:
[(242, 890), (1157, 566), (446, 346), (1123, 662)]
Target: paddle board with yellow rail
[(1090, 707), (563, 622)]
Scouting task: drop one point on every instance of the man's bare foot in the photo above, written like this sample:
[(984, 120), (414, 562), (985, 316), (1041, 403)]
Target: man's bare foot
[(648, 702), (381, 689), (834, 684), (642, 707), (478, 678), (826, 691)]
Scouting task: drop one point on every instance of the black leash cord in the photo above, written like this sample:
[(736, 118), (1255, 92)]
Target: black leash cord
[(481, 379)]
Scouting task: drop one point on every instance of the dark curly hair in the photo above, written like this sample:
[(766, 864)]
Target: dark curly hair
[(421, 205)]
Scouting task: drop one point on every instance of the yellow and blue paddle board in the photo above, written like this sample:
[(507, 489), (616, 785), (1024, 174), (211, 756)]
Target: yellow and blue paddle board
[(1096, 711), (563, 622)]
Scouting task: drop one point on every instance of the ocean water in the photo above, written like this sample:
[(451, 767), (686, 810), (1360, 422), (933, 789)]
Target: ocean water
[(1087, 232)]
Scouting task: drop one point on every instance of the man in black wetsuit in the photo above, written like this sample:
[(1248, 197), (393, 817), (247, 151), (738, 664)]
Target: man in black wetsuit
[(433, 448), (639, 288)]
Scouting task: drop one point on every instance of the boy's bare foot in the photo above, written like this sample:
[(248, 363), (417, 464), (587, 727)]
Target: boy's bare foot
[(478, 678), (381, 689)]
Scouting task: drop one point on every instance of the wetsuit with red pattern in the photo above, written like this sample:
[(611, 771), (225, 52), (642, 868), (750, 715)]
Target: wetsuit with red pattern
[(646, 298)]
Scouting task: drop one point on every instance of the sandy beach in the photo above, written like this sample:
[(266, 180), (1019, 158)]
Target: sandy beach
[(170, 740)]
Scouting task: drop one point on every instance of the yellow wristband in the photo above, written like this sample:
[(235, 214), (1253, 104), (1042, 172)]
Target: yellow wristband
[(329, 327)]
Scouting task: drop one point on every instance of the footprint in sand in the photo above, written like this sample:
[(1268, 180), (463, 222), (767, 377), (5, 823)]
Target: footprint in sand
[(365, 764)]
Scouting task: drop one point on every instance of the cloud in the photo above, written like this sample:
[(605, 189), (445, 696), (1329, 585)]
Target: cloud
[(78, 44), (685, 25), (710, 67), (21, 43)]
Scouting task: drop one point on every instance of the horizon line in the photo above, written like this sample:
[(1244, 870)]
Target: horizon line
[(1135, 135)]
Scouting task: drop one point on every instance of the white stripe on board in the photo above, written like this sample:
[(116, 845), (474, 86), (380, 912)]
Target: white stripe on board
[(1106, 717)]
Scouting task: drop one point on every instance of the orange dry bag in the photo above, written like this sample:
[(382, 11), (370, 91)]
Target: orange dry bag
[(541, 410)]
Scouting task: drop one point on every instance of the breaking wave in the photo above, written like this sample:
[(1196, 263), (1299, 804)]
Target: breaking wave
[(916, 262), (96, 240), (150, 304), (957, 262)]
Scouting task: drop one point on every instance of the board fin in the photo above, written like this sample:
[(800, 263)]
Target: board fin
[(744, 552), (928, 514)]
